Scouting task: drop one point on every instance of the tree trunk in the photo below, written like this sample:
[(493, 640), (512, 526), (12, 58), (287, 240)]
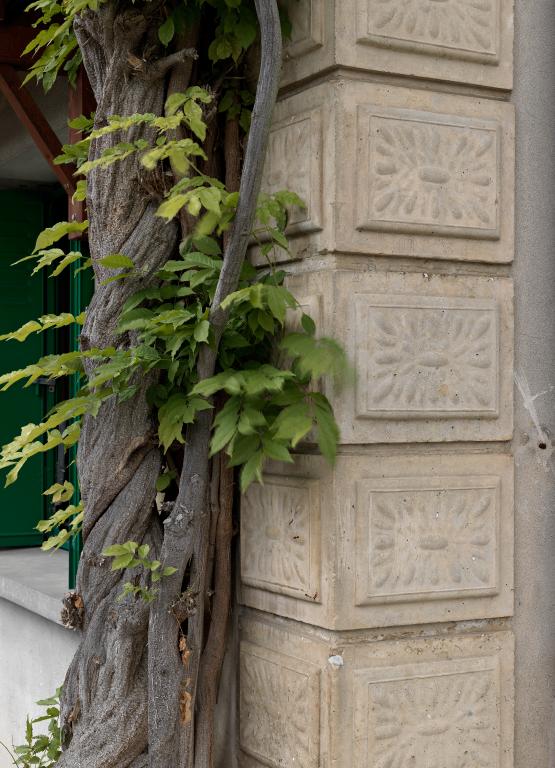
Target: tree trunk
[(130, 694)]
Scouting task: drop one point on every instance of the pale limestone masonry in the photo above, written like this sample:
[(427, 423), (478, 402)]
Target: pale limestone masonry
[(377, 595), (396, 171), (381, 541), (468, 41), (432, 353), (311, 698)]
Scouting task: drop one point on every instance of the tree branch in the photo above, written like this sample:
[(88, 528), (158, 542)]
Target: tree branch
[(157, 69)]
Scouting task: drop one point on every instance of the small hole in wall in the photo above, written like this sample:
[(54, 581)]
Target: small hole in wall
[(542, 446)]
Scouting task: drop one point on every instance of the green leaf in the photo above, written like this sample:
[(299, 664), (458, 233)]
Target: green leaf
[(164, 481), (316, 357), (122, 561), (180, 409), (60, 492), (117, 261), (166, 31), (250, 421), (171, 206), (227, 100), (274, 450), (70, 258), (135, 319), (293, 423), (52, 234), (80, 193), (169, 570), (225, 425), (202, 331), (308, 324), (55, 542), (115, 278), (209, 387), (201, 260), (220, 48), (22, 333), (114, 550), (28, 731), (246, 30), (243, 448), (328, 431), (211, 199), (48, 702), (252, 470)]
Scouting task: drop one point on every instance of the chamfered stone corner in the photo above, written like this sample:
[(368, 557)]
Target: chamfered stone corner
[(381, 540), (317, 700), (395, 171)]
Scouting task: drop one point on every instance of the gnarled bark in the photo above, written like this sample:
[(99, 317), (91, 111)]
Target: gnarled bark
[(142, 687)]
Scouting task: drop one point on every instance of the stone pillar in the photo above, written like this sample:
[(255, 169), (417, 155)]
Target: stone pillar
[(534, 273), (377, 595)]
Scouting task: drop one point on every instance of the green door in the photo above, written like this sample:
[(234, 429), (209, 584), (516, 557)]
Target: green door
[(22, 298)]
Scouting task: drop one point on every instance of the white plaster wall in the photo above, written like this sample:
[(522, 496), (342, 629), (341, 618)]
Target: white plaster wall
[(534, 272), (34, 656)]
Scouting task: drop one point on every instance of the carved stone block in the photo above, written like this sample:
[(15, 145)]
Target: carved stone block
[(279, 705), (380, 541), (439, 702), (281, 552), (423, 170), (432, 354), (462, 41), (294, 161), (393, 171), (317, 699)]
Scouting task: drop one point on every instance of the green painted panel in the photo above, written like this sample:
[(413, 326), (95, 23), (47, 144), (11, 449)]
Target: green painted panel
[(21, 298)]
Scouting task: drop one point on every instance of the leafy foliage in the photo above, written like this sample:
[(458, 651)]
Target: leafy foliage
[(131, 555), (55, 48), (267, 393), (41, 750), (68, 520)]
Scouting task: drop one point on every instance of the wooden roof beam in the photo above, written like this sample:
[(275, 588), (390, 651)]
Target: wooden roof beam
[(36, 124)]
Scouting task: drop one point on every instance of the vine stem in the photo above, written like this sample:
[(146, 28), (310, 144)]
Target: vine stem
[(187, 530)]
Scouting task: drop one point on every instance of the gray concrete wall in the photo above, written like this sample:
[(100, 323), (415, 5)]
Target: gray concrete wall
[(534, 272), (34, 656)]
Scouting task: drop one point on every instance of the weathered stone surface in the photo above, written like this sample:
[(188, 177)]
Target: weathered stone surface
[(432, 353), (460, 41), (294, 161), (381, 541), (425, 170), (281, 537), (317, 700), (394, 171), (280, 707)]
